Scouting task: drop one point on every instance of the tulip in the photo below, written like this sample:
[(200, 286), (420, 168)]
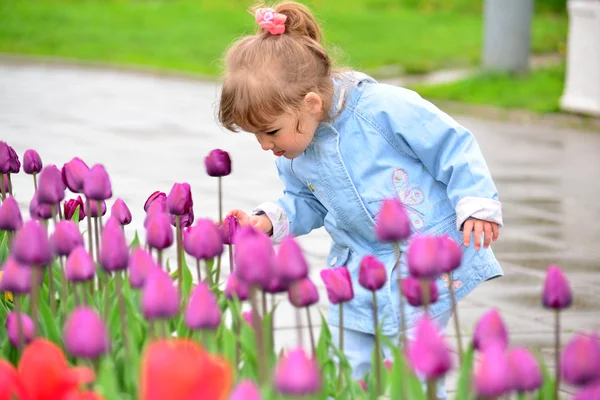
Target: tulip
[(140, 265), (83, 396), (291, 264), (31, 245), (96, 184), (179, 200), (38, 210), (254, 256), (526, 374), (85, 335), (80, 266), (338, 284), (490, 330), (15, 164), (12, 329), (236, 288), (95, 211), (16, 277), (392, 223), (423, 257), (372, 274), (114, 251), (492, 375), (203, 241), (413, 291), (218, 163), (427, 353), (590, 392), (179, 369), (5, 158), (276, 285), (303, 293), (556, 293), (247, 315), (296, 374), (363, 385), (157, 197), (245, 390), (450, 254), (51, 189), (73, 174), (71, 205), (580, 360), (65, 238), (32, 162), (10, 384), (185, 220), (121, 212), (202, 311), (160, 299), (229, 229), (159, 234), (10, 215)]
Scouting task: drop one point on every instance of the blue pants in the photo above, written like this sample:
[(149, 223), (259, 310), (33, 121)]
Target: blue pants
[(358, 348)]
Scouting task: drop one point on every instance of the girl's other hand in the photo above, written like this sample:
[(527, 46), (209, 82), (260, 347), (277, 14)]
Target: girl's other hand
[(260, 222), (490, 231)]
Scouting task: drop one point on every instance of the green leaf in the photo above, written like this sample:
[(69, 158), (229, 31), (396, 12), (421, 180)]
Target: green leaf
[(50, 322), (3, 246), (406, 385), (464, 386), (75, 217), (546, 392), (107, 381), (136, 241)]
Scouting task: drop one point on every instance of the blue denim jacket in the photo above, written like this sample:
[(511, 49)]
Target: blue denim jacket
[(384, 141)]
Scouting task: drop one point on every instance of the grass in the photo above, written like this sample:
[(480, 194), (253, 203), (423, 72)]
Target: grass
[(191, 36)]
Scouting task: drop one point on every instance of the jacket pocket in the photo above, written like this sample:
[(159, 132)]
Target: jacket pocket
[(338, 256)]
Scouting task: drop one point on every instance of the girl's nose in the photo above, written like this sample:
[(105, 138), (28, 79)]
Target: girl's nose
[(265, 143)]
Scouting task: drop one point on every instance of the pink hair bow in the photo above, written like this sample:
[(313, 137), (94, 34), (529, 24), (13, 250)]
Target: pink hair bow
[(271, 20)]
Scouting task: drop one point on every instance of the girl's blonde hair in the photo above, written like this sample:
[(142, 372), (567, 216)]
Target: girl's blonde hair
[(268, 75)]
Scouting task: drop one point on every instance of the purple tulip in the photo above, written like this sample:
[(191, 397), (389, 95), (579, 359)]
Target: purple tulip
[(202, 310), (450, 254), (9, 160), (392, 223), (140, 265), (160, 299), (51, 189), (580, 360), (185, 220), (10, 215), (490, 330), (70, 206), (413, 291), (38, 210), (93, 211), (492, 375), (121, 212), (73, 173), (114, 251), (338, 284), (32, 162), (245, 390), (229, 229), (297, 374), (236, 288), (203, 241), (85, 334), (218, 163), (254, 256), (156, 198), (290, 262), (16, 278), (526, 374), (159, 233), (423, 257), (590, 392), (303, 293), (153, 209), (15, 164), (557, 292), (12, 328), (276, 285), (427, 353), (179, 200), (372, 274), (31, 246), (96, 184), (80, 266), (65, 238)]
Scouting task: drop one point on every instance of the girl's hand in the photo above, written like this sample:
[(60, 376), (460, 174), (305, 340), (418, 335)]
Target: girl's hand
[(477, 226), (260, 222)]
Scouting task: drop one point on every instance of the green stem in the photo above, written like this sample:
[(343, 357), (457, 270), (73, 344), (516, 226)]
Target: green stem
[(51, 294), (431, 392), (556, 353), (36, 277), (35, 181), (198, 270), (63, 281), (230, 259), (97, 239), (10, 191), (2, 188), (425, 293), (341, 345), (456, 322), (402, 318), (310, 330), (377, 345), (262, 370), (122, 312), (20, 335), (178, 232), (218, 275)]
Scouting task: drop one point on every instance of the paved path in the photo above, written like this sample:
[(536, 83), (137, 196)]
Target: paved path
[(150, 132)]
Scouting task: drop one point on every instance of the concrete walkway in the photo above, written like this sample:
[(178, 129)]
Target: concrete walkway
[(150, 132)]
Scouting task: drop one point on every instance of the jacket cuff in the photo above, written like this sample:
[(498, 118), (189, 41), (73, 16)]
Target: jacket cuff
[(278, 217), (480, 208)]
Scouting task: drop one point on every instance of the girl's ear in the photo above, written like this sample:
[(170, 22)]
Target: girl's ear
[(314, 103)]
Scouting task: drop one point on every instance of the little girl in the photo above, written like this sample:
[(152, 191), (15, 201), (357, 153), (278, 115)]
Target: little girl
[(344, 143)]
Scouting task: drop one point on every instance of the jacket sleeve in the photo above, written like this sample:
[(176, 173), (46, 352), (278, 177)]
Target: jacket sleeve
[(297, 212)]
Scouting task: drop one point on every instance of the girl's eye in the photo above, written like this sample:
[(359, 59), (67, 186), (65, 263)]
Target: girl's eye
[(272, 132)]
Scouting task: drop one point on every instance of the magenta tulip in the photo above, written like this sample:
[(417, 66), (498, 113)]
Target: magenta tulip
[(157, 197), (254, 256), (38, 210), (450, 254), (303, 293), (160, 299), (580, 360), (96, 184), (71, 205), (372, 274), (202, 310), (297, 374), (423, 257), (16, 277), (428, 354), (526, 374), (80, 266), (245, 390), (229, 229), (493, 376), (290, 262), (12, 328), (490, 330), (114, 251), (85, 334), (236, 288), (179, 200), (121, 212), (65, 238), (31, 245), (10, 215), (73, 173), (32, 162), (51, 189), (203, 241), (9, 160), (557, 292), (338, 284), (590, 392), (413, 291), (392, 223), (140, 265), (218, 163), (159, 233)]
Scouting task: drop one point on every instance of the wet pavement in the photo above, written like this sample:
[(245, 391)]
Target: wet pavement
[(150, 132)]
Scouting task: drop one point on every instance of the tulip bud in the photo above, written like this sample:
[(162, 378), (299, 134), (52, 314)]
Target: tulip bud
[(12, 328), (338, 284), (413, 291), (179, 200), (31, 246), (423, 257), (236, 288), (202, 310), (203, 241), (229, 229), (140, 265), (427, 353), (159, 234), (296, 374), (154, 208), (160, 299), (276, 285), (70, 206), (290, 262), (157, 197), (15, 277), (392, 223), (39, 210), (32, 163), (65, 238), (73, 173), (9, 160), (121, 212), (372, 274), (15, 164), (557, 292), (490, 330), (363, 385), (95, 210), (493, 375), (10, 215), (96, 184), (303, 293), (218, 163), (114, 251), (450, 254), (245, 390), (580, 360), (80, 266), (526, 375), (51, 189), (85, 335), (254, 256)]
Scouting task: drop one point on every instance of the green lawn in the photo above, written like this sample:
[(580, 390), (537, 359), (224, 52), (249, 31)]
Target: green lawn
[(191, 36)]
